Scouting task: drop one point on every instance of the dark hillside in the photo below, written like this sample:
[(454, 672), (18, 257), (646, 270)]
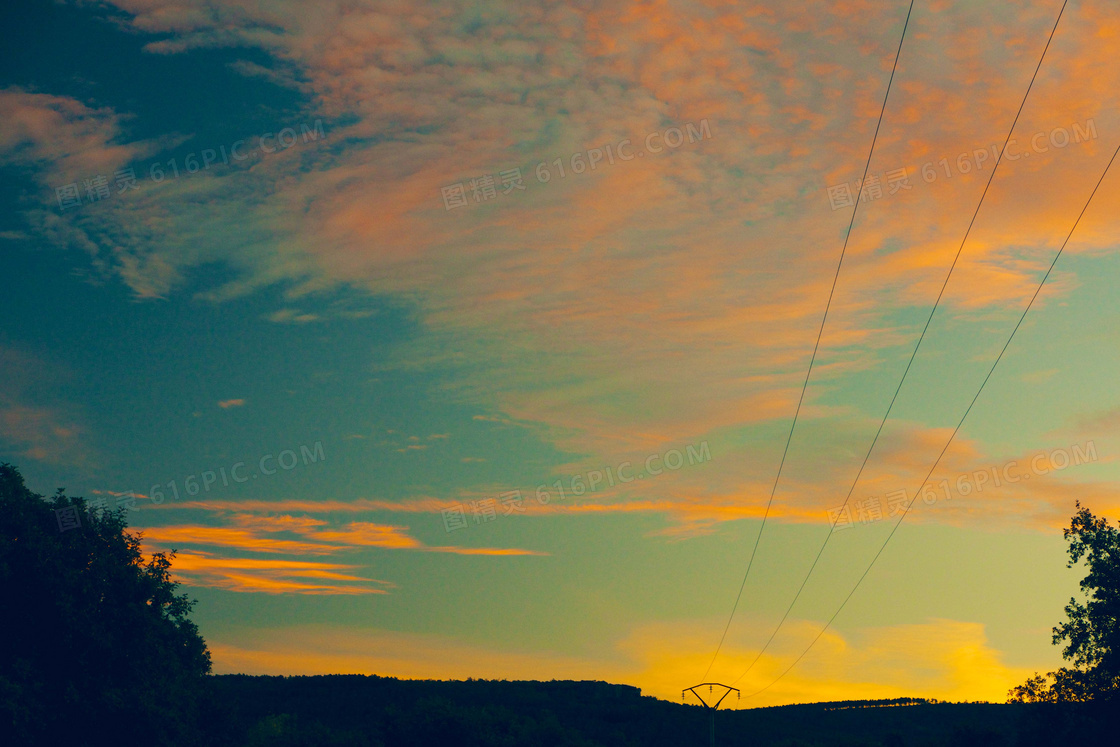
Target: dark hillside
[(378, 711)]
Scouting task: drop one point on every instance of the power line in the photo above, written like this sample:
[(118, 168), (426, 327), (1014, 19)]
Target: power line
[(914, 354), (816, 347), (955, 430)]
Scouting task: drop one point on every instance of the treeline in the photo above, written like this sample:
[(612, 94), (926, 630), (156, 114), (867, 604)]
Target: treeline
[(96, 646), (97, 649), (371, 711)]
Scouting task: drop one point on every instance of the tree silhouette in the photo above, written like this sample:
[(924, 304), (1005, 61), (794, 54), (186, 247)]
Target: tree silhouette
[(95, 646), (1092, 632)]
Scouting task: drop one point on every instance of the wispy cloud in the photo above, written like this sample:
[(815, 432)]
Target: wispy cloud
[(253, 540), (1033, 488), (271, 576), (61, 137), (252, 534)]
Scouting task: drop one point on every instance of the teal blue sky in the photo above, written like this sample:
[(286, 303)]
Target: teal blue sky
[(322, 297)]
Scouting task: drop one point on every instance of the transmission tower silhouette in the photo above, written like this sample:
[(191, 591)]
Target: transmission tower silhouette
[(711, 707)]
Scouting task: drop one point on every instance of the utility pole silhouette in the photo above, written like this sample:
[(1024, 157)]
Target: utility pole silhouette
[(713, 706)]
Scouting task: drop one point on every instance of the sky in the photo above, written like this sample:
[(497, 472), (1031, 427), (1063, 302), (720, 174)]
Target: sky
[(463, 339)]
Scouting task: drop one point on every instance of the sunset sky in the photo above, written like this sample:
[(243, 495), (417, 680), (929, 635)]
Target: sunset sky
[(323, 285)]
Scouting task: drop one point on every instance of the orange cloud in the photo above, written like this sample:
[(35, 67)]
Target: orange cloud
[(359, 505), (497, 551), (257, 533), (240, 539), (325, 539), (944, 659), (272, 576), (366, 534)]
